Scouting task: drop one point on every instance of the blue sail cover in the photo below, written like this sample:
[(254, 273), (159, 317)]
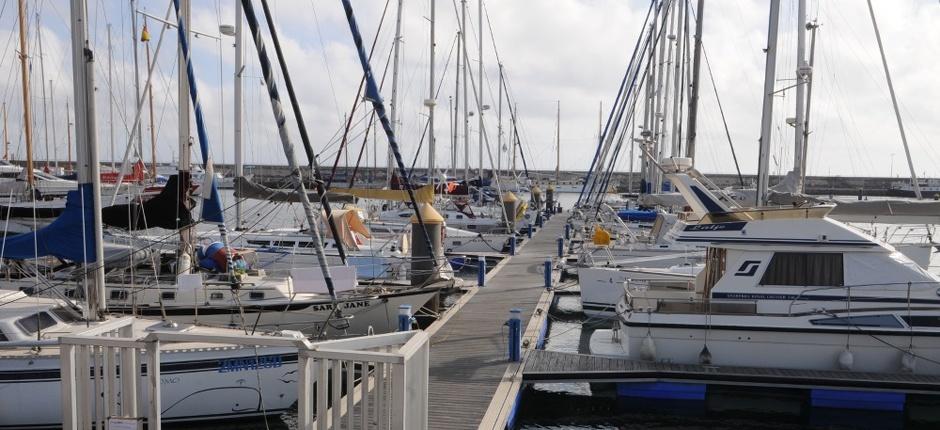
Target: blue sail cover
[(64, 237)]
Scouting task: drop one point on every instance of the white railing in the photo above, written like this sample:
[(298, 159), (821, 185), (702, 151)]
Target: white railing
[(385, 376)]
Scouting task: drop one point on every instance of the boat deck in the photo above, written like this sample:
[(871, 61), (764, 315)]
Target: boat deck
[(552, 366), (469, 353)]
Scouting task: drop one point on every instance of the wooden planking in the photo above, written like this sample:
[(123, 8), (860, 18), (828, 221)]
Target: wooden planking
[(469, 354), (552, 366)]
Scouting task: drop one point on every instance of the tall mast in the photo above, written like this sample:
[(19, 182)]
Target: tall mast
[(42, 82), (456, 107), (499, 126), (184, 252), (466, 119), (809, 93), (237, 132), (479, 90), (557, 141), (137, 132), (894, 102), (6, 141), (111, 97), (55, 146), (145, 38), (27, 113), (696, 67), (763, 163), (393, 105), (87, 148), (801, 75), (431, 102), (68, 134), (512, 135)]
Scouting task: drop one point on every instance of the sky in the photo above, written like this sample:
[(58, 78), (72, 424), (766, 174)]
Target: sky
[(555, 53)]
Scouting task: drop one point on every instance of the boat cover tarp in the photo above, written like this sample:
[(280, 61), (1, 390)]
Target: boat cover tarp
[(69, 237), (888, 211), (424, 194), (165, 210), (348, 224), (248, 189)]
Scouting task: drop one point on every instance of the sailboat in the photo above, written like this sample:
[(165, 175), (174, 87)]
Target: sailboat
[(196, 386)]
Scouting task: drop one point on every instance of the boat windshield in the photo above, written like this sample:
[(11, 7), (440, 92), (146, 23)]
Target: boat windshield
[(35, 322)]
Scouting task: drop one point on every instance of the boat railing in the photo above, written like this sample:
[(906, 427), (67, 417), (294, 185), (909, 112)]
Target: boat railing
[(378, 381)]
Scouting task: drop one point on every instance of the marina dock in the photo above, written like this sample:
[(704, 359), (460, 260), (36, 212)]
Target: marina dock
[(472, 383)]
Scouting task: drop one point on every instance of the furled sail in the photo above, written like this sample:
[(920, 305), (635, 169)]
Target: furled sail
[(69, 237), (167, 210)]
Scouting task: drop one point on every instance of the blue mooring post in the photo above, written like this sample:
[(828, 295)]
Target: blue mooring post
[(561, 247), (567, 231), (481, 272), (548, 274), (512, 245), (515, 334), (404, 317), (538, 219), (528, 231)]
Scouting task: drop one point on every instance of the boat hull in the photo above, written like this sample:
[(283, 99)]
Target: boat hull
[(201, 385)]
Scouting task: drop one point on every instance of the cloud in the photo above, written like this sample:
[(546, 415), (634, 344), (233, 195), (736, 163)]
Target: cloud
[(574, 51)]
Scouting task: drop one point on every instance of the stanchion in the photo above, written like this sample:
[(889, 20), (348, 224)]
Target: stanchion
[(561, 247), (515, 334), (481, 272), (548, 274), (512, 245)]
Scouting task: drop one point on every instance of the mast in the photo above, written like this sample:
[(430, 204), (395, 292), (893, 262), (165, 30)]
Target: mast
[(466, 118), (809, 92), (696, 67), (456, 107), (801, 75), (894, 102), (557, 141), (27, 111), (763, 163), (237, 132), (479, 90), (499, 126), (55, 146), (111, 97), (185, 250), (393, 105), (431, 102), (513, 137), (87, 149), (145, 38), (68, 134), (137, 132), (6, 141), (42, 82)]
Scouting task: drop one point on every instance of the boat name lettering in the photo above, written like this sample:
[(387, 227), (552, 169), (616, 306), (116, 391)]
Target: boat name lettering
[(241, 364), (724, 226), (346, 305)]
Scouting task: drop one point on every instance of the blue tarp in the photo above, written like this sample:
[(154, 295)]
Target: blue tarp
[(62, 238), (636, 215)]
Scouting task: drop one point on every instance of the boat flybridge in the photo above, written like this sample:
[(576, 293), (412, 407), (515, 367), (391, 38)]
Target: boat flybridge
[(784, 288)]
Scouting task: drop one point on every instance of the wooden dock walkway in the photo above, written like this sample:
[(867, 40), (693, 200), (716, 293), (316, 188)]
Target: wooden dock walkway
[(553, 366), (469, 351)]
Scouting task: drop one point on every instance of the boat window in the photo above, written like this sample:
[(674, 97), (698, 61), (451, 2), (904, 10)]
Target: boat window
[(256, 295), (36, 322), (169, 295), (887, 321), (456, 243), (70, 293), (922, 320), (28, 290), (471, 227), (459, 216), (822, 269), (64, 314), (3, 337), (216, 296), (118, 294), (259, 242), (286, 243)]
